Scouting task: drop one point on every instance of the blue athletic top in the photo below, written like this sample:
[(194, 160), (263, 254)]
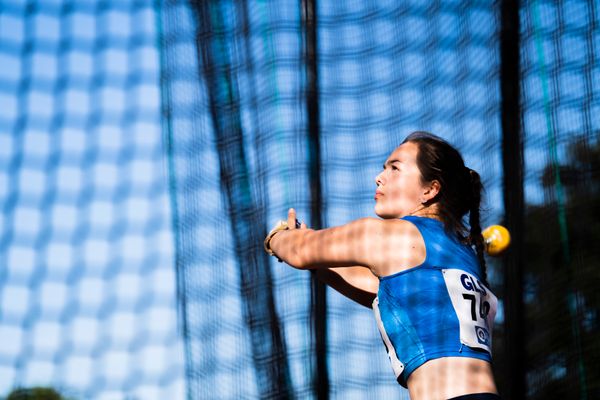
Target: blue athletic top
[(437, 309)]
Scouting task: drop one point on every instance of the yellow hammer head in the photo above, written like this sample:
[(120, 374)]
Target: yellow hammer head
[(496, 239)]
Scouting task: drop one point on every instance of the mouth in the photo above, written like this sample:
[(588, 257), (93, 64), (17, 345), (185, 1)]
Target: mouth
[(378, 194)]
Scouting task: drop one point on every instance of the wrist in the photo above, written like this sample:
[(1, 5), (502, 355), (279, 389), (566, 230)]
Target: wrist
[(276, 241), (268, 243)]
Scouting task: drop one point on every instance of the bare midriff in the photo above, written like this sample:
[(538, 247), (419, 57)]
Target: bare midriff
[(448, 377)]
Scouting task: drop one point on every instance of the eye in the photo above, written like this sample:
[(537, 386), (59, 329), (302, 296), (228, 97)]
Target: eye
[(394, 168)]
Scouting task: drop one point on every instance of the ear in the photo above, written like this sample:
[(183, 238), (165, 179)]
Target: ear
[(430, 191)]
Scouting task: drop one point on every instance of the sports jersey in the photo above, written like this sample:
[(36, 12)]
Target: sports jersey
[(438, 309)]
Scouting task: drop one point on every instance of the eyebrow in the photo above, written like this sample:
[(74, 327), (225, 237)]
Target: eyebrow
[(390, 162)]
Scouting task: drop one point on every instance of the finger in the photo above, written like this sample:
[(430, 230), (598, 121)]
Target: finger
[(303, 226), (291, 220)]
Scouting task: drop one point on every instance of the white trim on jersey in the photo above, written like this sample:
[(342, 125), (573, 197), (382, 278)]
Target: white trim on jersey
[(397, 365)]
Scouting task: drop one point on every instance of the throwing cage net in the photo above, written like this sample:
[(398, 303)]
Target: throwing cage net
[(147, 147), (87, 285)]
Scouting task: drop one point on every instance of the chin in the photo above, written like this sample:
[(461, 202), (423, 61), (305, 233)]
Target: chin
[(385, 214)]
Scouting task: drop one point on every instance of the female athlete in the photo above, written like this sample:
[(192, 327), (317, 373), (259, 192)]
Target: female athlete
[(418, 266)]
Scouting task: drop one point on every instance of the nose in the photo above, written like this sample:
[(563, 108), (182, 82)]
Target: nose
[(379, 178)]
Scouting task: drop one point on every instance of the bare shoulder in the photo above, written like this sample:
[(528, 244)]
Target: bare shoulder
[(398, 246), (390, 228)]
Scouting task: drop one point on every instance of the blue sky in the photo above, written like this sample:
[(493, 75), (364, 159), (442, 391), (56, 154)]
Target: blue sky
[(87, 281)]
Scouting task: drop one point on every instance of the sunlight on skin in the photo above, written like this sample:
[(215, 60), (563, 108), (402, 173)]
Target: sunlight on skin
[(449, 377), (351, 257), (385, 246), (400, 191)]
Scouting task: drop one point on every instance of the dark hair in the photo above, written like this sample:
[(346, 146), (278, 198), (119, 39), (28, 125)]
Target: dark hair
[(460, 191)]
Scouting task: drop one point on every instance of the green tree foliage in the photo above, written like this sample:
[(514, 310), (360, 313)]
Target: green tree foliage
[(35, 393), (562, 280)]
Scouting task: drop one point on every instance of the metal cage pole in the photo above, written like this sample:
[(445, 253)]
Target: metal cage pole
[(512, 160), (318, 289)]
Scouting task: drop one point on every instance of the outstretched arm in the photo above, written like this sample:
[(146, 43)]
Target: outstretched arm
[(383, 246), (343, 246), (355, 282)]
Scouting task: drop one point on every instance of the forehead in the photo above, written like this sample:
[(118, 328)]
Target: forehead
[(406, 152)]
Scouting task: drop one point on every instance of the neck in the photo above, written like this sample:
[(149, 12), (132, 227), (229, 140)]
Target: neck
[(430, 211)]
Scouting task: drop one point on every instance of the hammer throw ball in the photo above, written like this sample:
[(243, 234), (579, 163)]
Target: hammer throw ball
[(496, 239)]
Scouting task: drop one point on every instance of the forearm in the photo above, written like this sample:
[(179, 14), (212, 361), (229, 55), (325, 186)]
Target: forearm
[(309, 249), (342, 246), (356, 283)]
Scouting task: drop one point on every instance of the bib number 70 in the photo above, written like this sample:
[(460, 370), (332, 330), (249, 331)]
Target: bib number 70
[(484, 306), (475, 306)]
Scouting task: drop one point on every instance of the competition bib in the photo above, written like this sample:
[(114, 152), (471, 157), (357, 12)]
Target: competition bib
[(475, 306)]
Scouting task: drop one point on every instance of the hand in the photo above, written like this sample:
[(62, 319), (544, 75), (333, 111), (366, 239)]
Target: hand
[(293, 222)]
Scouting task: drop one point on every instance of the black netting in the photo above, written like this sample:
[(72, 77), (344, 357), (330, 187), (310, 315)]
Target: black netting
[(561, 131), (259, 115), (87, 285), (241, 156)]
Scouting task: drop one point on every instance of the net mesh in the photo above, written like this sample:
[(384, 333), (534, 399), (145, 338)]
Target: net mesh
[(236, 80), (561, 131), (92, 272), (87, 284)]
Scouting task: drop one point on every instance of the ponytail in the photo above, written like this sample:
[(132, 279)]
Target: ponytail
[(475, 237)]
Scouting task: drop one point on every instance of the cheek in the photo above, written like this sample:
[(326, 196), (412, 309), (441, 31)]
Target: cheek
[(406, 190)]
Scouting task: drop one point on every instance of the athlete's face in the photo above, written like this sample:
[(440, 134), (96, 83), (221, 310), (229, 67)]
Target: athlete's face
[(399, 188)]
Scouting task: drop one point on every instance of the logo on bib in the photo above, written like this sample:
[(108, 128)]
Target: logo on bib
[(483, 335)]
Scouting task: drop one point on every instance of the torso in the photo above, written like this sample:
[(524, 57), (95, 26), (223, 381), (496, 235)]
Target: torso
[(436, 362), (448, 377)]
